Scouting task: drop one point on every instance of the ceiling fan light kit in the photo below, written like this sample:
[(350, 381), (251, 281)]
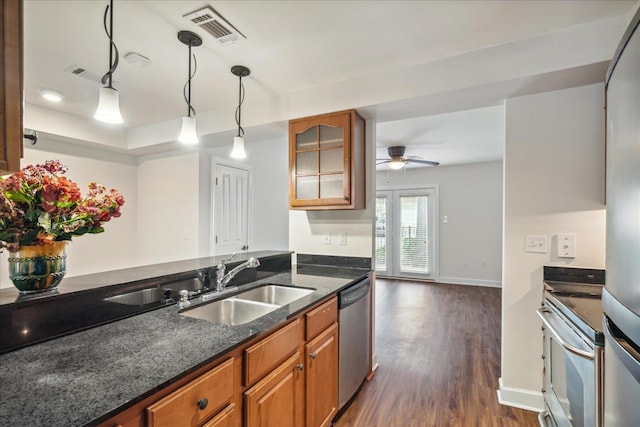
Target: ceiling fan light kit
[(397, 159)]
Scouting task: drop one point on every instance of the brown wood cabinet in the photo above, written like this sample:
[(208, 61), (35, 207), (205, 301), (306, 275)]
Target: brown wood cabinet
[(288, 378), (327, 162), (11, 85), (322, 378), (195, 403), (278, 399)]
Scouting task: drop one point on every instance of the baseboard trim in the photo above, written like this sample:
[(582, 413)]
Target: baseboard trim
[(472, 282), (520, 398)]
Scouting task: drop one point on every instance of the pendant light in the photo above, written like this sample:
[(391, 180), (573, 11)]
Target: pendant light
[(188, 133), (238, 141), (109, 103)]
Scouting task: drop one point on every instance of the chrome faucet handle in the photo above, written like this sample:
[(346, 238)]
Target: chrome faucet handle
[(184, 299), (226, 260)]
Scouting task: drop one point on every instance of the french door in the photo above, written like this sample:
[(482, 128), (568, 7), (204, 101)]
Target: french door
[(405, 233)]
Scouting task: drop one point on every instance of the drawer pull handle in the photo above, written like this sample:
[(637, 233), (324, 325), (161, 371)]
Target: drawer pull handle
[(202, 403), (313, 355), (300, 366)]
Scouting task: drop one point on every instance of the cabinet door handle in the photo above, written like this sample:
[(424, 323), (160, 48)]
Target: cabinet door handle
[(313, 355), (300, 366), (202, 403)]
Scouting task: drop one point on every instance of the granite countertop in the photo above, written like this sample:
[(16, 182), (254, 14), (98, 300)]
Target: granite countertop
[(86, 377)]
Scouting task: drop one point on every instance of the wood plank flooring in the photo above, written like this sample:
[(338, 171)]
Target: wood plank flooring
[(439, 360)]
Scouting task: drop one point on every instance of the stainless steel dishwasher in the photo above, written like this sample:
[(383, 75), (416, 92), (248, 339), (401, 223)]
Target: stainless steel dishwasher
[(354, 313)]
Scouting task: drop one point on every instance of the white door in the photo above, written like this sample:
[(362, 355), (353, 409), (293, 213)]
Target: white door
[(231, 210), (406, 245)]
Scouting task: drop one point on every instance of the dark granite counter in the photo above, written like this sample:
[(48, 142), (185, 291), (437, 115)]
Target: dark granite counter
[(81, 302), (86, 377)]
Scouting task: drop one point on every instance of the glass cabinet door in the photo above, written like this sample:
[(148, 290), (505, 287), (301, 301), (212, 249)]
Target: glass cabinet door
[(320, 163), (323, 159)]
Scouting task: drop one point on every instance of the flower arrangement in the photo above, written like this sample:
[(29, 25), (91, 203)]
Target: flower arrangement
[(39, 206)]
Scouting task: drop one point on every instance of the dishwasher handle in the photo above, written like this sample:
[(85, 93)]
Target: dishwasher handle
[(354, 293)]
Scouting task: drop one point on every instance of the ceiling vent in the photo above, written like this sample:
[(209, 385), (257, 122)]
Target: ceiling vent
[(82, 72), (214, 24)]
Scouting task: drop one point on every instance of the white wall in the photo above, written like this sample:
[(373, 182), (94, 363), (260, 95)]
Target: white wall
[(554, 183), (306, 228), (113, 249), (168, 208), (470, 196)]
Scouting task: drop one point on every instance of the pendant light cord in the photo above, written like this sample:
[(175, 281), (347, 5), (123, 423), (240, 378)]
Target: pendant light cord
[(239, 109), (113, 49), (186, 91)]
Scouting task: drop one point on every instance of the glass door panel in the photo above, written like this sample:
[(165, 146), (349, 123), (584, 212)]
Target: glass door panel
[(331, 186), (307, 163), (331, 136), (307, 187), (384, 244), (414, 234), (331, 160), (307, 140)]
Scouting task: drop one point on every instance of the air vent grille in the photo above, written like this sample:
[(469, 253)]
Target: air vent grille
[(214, 24), (84, 73)]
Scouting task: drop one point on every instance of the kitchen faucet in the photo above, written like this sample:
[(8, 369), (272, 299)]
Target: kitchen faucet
[(222, 279)]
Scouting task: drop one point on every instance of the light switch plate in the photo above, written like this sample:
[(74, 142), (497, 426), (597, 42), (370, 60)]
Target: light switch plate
[(326, 238), (536, 244), (343, 238)]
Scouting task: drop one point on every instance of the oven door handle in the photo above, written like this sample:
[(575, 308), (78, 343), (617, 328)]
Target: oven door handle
[(575, 350)]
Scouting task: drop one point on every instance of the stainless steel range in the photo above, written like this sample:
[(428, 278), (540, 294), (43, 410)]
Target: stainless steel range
[(573, 354)]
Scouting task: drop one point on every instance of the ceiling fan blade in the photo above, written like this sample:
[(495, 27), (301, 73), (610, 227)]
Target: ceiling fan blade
[(423, 162), (383, 161)]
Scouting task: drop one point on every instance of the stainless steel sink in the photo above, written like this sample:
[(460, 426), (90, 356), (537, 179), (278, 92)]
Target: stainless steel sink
[(141, 297), (231, 311), (157, 293), (247, 306), (275, 294)]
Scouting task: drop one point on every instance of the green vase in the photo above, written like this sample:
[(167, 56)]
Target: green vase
[(38, 268)]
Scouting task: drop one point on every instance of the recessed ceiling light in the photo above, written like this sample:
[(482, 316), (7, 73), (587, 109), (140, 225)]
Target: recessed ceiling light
[(51, 95)]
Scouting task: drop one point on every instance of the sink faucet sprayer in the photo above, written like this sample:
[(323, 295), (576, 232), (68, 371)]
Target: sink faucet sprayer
[(222, 279)]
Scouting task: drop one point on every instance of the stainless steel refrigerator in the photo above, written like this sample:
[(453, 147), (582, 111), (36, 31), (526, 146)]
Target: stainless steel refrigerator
[(621, 295)]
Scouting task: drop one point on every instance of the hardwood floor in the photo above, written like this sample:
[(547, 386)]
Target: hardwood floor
[(439, 360)]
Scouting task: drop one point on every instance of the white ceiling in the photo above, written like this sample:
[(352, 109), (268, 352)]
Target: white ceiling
[(396, 61)]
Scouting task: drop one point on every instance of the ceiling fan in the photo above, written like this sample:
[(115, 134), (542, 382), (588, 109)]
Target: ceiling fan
[(397, 159)]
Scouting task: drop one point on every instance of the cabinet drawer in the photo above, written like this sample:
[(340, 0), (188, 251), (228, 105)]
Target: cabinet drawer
[(226, 418), (180, 408), (264, 356), (322, 317)]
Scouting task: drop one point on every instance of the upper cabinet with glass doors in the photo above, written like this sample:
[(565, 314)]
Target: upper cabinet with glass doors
[(327, 162)]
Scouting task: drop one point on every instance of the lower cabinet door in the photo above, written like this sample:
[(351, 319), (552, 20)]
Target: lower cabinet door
[(226, 418), (322, 378), (277, 400)]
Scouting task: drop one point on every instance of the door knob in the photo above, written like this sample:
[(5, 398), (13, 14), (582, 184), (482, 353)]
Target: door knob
[(244, 247), (313, 355), (300, 366)]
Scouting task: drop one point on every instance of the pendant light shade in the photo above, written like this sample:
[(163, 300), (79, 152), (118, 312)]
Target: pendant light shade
[(188, 133), (109, 102), (238, 148), (238, 141), (109, 106)]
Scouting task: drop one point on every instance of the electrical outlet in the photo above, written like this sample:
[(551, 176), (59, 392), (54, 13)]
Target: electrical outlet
[(566, 245)]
